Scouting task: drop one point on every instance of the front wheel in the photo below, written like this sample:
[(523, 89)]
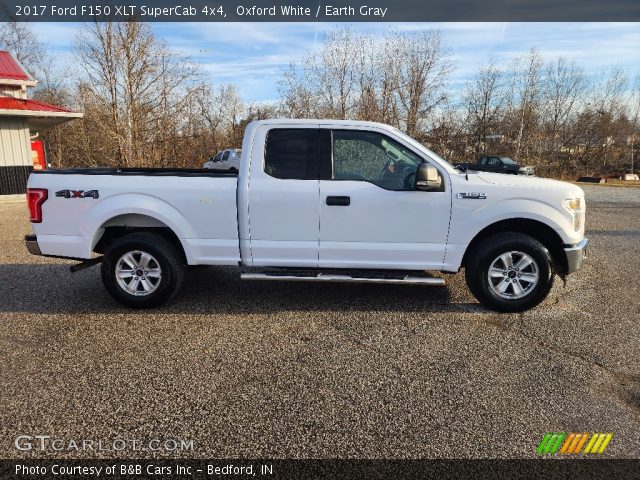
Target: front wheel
[(142, 270), (509, 272)]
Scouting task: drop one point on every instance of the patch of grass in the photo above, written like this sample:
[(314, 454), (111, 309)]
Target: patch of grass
[(623, 183), (612, 183)]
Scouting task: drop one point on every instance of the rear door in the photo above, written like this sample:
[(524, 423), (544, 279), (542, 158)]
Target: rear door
[(284, 197), (371, 215)]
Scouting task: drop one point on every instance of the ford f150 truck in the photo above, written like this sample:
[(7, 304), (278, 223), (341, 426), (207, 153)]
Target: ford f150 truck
[(314, 200)]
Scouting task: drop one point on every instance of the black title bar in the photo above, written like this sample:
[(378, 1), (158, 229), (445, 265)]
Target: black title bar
[(583, 469), (323, 10)]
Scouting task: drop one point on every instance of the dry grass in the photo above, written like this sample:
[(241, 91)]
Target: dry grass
[(622, 183)]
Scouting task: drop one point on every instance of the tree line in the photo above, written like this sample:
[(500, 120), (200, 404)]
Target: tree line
[(146, 105)]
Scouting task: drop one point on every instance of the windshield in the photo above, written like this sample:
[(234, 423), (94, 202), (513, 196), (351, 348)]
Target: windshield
[(507, 161)]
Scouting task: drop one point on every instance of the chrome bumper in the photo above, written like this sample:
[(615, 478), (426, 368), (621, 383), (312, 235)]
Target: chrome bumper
[(32, 244), (576, 255)]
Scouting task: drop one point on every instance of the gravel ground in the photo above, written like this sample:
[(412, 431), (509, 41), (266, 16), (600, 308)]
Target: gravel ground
[(305, 370)]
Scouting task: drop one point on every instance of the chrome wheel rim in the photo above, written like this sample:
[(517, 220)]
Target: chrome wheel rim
[(513, 275), (138, 273)]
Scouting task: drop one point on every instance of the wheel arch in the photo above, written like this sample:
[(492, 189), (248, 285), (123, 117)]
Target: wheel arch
[(124, 224), (534, 228)]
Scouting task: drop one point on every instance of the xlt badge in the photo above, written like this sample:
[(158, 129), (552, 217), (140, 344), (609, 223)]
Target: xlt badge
[(472, 195)]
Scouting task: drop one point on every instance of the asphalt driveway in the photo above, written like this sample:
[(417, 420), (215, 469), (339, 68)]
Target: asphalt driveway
[(308, 370)]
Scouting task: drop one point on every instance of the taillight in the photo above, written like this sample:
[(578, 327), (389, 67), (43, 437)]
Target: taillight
[(35, 198)]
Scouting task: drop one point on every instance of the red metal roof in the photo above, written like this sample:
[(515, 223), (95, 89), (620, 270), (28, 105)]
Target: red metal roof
[(10, 69), (10, 103)]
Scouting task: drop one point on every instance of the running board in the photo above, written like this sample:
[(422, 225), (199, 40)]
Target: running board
[(324, 277)]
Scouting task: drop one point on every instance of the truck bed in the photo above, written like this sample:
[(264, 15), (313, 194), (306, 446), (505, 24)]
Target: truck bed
[(157, 172), (198, 206)]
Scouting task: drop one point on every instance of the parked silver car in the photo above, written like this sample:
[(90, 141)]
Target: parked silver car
[(228, 159)]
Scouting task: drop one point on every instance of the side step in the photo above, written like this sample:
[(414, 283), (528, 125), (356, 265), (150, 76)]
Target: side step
[(326, 277)]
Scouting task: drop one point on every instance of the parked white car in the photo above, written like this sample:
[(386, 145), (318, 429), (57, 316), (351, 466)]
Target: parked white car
[(314, 200), (225, 160)]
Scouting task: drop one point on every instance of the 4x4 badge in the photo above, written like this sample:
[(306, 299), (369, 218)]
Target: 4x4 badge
[(77, 194)]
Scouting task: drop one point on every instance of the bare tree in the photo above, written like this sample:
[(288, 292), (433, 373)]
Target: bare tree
[(222, 110), (635, 116), (524, 98), (140, 82), (297, 100), (484, 101), (332, 73), (398, 79), (597, 124), (20, 40), (564, 90), (423, 67)]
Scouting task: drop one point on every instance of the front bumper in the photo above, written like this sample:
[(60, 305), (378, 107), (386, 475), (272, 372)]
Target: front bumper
[(32, 244), (576, 255)]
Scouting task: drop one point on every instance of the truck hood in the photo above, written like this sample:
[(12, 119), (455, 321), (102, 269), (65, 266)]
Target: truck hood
[(523, 181)]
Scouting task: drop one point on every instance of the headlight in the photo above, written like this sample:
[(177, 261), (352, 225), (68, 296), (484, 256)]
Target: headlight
[(574, 205)]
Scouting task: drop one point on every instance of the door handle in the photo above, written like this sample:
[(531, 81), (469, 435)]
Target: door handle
[(338, 201)]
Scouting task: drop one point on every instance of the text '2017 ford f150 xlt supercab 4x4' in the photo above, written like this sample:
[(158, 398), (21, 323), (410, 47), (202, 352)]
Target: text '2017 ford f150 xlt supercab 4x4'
[(314, 200)]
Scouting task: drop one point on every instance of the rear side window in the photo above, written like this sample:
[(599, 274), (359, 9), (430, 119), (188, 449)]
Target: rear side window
[(225, 155), (292, 153)]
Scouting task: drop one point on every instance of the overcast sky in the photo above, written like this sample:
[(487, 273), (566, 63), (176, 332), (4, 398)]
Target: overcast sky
[(254, 55)]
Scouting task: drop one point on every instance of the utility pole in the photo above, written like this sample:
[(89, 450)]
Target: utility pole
[(633, 135), (633, 130), (633, 141)]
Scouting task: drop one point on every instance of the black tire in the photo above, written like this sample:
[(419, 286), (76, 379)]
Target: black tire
[(164, 255), (487, 251)]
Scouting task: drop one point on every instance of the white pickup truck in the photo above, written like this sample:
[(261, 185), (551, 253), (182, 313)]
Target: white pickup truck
[(225, 160), (314, 200)]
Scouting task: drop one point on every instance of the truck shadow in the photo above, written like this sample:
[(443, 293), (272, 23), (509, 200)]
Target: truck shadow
[(52, 289)]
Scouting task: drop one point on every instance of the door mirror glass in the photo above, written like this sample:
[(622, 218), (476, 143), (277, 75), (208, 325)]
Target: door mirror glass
[(428, 178)]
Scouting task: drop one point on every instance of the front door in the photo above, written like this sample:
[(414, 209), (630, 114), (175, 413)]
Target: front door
[(371, 215)]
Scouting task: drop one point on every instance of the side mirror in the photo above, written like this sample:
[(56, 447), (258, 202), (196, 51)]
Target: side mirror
[(428, 178)]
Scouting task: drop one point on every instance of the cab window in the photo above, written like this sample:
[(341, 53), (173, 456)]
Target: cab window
[(375, 158), (292, 153)]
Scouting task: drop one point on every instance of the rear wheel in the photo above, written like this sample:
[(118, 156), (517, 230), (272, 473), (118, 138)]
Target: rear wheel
[(509, 272), (142, 270)]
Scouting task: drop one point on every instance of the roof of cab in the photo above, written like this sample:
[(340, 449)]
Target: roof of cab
[(319, 121)]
